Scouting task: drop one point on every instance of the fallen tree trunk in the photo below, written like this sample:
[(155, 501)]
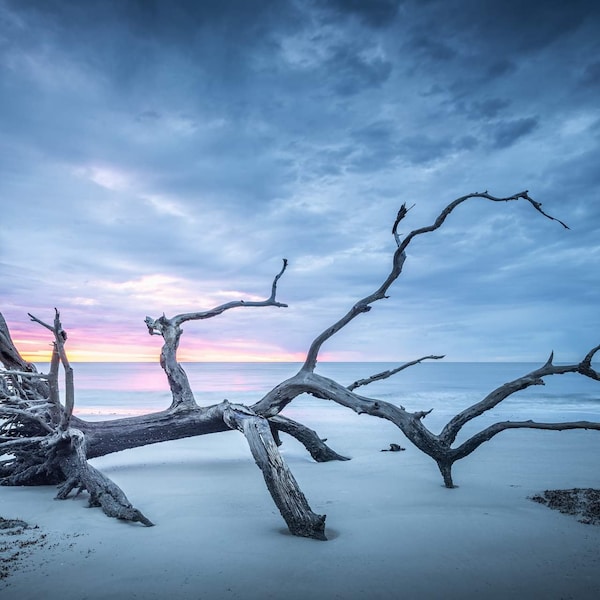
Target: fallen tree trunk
[(42, 442)]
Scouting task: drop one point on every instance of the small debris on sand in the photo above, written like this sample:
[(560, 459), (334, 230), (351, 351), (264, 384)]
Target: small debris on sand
[(394, 448), (16, 538), (582, 502)]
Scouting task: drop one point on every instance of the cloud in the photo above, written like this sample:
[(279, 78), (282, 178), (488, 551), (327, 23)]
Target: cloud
[(506, 133), (376, 13), (202, 142), (591, 75)]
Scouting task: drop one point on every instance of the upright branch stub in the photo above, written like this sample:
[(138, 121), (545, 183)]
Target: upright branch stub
[(59, 355), (398, 261)]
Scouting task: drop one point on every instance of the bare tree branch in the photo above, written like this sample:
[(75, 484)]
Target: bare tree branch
[(398, 261), (317, 447), (103, 492), (488, 433), (61, 455), (213, 312), (386, 374), (446, 212), (360, 307), (59, 355), (25, 414), (170, 330), (536, 377)]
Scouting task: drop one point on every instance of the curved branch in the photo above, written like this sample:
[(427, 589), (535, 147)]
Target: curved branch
[(450, 431), (305, 382), (399, 257), (489, 432), (170, 330), (360, 307), (446, 212), (585, 366), (386, 374), (317, 447), (213, 312)]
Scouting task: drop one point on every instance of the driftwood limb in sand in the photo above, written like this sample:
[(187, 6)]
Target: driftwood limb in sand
[(309, 438), (42, 442), (284, 489)]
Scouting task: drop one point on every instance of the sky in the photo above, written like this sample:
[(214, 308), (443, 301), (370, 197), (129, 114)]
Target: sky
[(164, 156)]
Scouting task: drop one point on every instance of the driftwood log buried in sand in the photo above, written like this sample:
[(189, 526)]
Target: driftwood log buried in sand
[(43, 442)]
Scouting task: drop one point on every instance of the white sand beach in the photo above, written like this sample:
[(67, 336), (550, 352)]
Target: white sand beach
[(394, 531)]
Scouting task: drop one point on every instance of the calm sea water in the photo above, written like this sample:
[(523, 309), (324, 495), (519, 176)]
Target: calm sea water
[(112, 390)]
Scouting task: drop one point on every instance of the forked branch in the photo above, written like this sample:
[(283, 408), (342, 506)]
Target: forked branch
[(536, 377), (364, 305), (170, 330), (59, 355)]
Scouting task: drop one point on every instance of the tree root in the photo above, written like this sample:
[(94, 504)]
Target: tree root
[(103, 492)]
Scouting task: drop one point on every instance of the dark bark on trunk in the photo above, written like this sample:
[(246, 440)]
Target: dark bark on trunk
[(106, 437), (445, 468)]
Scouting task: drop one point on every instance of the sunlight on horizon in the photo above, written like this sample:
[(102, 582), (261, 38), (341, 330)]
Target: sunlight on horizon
[(105, 352)]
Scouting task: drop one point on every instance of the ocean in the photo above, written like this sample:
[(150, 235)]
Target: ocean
[(115, 390)]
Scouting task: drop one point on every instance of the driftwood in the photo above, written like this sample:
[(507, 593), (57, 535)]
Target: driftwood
[(42, 442)]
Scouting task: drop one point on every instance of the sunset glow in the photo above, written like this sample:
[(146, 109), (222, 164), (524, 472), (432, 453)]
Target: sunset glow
[(100, 350)]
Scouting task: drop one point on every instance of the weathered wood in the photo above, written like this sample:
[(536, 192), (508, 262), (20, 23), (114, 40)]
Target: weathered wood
[(46, 443), (536, 377), (170, 330), (12, 360), (72, 458), (309, 438), (282, 485)]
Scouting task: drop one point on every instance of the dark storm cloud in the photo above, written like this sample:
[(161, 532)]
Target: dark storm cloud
[(488, 108), (354, 73), (499, 68), (376, 13), (432, 48), (380, 144), (591, 75), (507, 133), (204, 141)]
